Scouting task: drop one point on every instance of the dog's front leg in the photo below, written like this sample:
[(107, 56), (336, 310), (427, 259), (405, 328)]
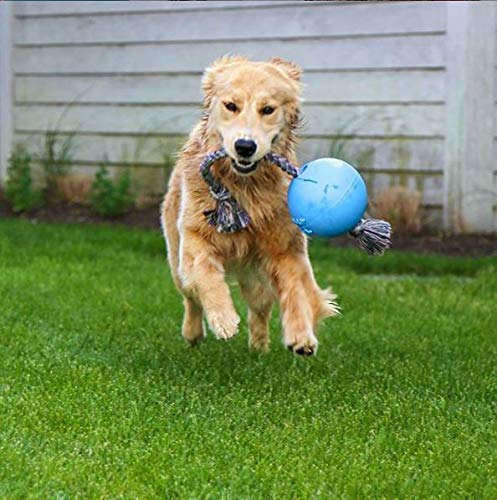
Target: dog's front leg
[(202, 278), (302, 302)]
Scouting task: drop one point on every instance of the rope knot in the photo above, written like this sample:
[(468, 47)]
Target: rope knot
[(222, 195)]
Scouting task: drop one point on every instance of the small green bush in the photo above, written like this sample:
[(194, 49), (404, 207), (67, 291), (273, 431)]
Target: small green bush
[(110, 198), (56, 158), (19, 186)]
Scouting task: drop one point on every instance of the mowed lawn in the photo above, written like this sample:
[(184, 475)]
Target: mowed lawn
[(101, 398)]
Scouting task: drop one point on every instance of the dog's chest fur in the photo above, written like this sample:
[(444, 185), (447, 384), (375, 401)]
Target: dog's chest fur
[(263, 196)]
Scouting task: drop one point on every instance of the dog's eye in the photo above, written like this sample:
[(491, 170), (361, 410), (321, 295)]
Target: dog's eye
[(231, 106), (267, 110)]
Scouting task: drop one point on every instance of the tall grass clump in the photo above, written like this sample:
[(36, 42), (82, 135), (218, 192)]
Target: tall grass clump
[(56, 158), (401, 207), (340, 145)]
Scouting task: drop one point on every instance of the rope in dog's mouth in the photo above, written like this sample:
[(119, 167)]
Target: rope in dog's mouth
[(228, 216)]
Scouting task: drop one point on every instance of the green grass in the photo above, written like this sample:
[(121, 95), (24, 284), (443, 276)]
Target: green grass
[(101, 398)]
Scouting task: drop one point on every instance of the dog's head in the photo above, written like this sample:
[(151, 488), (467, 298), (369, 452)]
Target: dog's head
[(251, 106)]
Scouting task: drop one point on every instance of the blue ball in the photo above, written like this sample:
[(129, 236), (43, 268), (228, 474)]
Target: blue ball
[(328, 198)]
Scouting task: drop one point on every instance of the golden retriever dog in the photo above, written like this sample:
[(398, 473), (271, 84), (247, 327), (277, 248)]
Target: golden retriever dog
[(250, 109)]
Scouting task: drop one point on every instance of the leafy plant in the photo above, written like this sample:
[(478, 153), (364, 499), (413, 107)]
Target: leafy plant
[(111, 198), (56, 158), (19, 186)]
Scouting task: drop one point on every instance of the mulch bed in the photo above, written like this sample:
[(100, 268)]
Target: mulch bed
[(145, 218), (467, 245)]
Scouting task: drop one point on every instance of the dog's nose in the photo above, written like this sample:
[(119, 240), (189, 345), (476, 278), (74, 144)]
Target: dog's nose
[(245, 147)]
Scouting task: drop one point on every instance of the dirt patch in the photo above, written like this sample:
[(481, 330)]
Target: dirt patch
[(467, 245), (463, 245), (79, 214)]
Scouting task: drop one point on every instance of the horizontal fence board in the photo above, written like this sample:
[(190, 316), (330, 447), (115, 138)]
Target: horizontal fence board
[(384, 120), (420, 155), (92, 148), (376, 86), (110, 89), (66, 8), (103, 119), (393, 52), (394, 155), (378, 120), (282, 22), (429, 186)]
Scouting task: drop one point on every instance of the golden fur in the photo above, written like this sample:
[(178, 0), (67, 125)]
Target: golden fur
[(269, 258)]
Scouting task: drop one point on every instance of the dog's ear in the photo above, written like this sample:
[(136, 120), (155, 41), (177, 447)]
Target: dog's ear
[(289, 68), (212, 73)]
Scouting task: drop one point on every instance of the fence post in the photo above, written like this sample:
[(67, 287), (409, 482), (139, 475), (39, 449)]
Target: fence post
[(6, 96), (469, 191)]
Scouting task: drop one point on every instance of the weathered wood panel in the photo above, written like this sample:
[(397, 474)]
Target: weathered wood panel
[(71, 8), (334, 54), (386, 154), (325, 87), (301, 20), (470, 153), (430, 186), (361, 120)]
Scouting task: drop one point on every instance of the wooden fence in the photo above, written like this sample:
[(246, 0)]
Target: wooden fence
[(409, 85)]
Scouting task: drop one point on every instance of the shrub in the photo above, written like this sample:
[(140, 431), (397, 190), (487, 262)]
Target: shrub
[(401, 207), (110, 198), (19, 186), (56, 158)]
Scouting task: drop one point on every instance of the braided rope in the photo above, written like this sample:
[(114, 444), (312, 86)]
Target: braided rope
[(215, 186), (283, 163), (228, 216)]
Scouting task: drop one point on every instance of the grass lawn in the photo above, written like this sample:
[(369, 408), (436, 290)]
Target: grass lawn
[(101, 397)]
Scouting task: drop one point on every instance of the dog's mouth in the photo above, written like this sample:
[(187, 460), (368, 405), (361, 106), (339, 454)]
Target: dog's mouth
[(244, 167)]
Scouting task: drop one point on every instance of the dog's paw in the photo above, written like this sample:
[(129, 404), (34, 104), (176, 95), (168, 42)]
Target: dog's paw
[(302, 345), (224, 325)]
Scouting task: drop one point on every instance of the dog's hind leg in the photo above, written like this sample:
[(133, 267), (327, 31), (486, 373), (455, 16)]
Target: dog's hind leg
[(259, 298), (302, 302), (193, 327)]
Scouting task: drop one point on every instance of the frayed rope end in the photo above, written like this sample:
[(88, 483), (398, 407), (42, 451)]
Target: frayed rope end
[(373, 235), (227, 216)]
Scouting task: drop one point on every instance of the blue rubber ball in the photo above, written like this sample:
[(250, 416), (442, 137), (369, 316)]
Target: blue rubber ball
[(328, 198)]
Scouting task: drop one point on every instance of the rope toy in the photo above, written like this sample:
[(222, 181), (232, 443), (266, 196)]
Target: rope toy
[(228, 216)]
